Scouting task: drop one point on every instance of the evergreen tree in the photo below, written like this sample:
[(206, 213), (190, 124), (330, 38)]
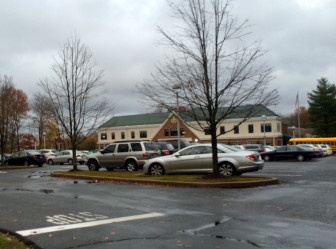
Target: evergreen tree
[(322, 107)]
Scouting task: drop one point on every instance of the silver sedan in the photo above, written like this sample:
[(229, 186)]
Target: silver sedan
[(198, 158)]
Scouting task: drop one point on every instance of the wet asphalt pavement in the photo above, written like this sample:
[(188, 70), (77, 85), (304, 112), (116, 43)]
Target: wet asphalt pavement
[(56, 213)]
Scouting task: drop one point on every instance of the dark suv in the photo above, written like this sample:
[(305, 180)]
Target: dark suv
[(129, 155)]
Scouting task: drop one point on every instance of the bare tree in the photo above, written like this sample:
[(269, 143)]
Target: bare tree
[(212, 68), (73, 93), (41, 109), (5, 102)]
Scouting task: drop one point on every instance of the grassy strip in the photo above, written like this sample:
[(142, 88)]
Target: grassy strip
[(171, 178), (10, 242)]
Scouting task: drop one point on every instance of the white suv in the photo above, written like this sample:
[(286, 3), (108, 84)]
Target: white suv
[(130, 155)]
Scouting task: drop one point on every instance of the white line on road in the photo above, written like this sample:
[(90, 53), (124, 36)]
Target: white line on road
[(86, 224)]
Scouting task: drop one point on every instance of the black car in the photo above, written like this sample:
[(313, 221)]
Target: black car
[(165, 148), (26, 157), (290, 152)]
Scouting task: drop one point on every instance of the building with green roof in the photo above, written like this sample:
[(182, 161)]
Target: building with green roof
[(262, 126)]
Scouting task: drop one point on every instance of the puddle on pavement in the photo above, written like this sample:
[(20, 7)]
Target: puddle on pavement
[(38, 175), (47, 191)]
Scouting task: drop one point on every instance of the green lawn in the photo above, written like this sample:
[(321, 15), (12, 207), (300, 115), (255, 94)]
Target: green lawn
[(9, 242)]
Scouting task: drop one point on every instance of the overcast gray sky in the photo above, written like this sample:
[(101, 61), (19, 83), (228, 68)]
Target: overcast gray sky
[(299, 35)]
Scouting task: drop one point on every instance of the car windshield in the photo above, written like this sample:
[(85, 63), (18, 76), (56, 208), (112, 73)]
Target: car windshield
[(34, 152)]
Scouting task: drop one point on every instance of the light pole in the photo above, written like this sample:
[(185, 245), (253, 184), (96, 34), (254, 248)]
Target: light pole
[(264, 119), (293, 127), (177, 88)]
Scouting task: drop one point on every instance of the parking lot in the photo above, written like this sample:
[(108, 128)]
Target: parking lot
[(59, 213)]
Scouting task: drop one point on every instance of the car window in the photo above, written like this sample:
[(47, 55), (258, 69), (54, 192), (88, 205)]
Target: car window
[(66, 153), (136, 146), (123, 148), (292, 148), (281, 149), (151, 146), (194, 151), (110, 148)]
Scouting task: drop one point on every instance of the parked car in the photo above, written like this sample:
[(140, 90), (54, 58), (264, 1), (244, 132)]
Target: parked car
[(326, 149), (165, 148), (252, 147), (183, 143), (298, 152), (26, 157), (48, 152), (129, 155), (314, 147), (65, 156), (198, 158)]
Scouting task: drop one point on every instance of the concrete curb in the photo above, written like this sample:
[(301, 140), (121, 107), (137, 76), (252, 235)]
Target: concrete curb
[(250, 184)]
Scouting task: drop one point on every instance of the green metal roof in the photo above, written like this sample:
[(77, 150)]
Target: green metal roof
[(159, 118), (140, 119)]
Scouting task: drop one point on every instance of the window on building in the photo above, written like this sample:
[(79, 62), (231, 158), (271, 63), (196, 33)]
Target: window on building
[(166, 133), (173, 132), (143, 134), (132, 134), (103, 136), (122, 135), (250, 128), (182, 132), (222, 129), (113, 135), (268, 127), (236, 129), (207, 131)]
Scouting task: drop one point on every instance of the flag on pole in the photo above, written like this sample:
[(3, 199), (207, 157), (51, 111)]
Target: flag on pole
[(297, 101)]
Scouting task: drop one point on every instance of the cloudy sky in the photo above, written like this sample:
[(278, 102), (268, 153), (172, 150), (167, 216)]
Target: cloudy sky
[(299, 36)]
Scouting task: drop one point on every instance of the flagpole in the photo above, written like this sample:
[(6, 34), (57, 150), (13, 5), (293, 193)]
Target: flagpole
[(298, 113)]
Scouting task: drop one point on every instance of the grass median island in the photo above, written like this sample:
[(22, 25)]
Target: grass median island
[(140, 176), (9, 242)]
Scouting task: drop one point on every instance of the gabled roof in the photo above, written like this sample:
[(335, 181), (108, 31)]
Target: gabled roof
[(159, 118)]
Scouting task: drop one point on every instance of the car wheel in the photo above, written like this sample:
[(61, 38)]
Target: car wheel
[(93, 165), (156, 170), (131, 165), (50, 162), (267, 158), (300, 158), (26, 163), (70, 161), (226, 169)]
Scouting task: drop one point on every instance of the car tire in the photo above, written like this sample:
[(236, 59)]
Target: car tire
[(93, 165), (70, 161), (226, 169), (267, 158), (156, 170), (131, 165), (300, 158), (50, 162)]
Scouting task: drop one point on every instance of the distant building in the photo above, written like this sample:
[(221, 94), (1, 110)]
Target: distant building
[(263, 126)]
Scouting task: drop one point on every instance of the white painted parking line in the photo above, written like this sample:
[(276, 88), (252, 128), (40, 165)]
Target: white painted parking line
[(87, 224)]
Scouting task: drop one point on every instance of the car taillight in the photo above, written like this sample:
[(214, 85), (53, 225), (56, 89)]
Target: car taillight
[(78, 155), (145, 155), (35, 157), (165, 152), (52, 154), (252, 157), (262, 150)]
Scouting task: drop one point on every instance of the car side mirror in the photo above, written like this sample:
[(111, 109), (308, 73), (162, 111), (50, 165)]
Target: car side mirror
[(177, 154)]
